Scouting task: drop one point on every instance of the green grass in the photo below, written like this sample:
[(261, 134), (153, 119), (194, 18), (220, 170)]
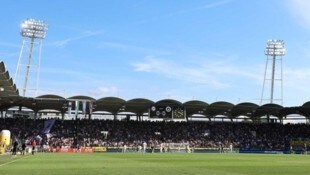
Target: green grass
[(154, 164)]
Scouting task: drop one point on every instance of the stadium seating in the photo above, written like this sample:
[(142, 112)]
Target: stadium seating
[(267, 136)]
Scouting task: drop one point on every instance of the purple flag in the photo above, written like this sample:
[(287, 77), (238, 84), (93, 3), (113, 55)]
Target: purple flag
[(48, 124)]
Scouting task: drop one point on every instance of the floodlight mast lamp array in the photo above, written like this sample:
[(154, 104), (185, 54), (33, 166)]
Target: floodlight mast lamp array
[(274, 48), (33, 29)]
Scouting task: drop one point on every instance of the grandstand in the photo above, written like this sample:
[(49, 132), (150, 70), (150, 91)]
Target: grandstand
[(110, 123), (138, 108)]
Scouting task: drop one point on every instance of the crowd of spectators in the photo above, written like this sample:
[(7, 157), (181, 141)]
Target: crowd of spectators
[(110, 133)]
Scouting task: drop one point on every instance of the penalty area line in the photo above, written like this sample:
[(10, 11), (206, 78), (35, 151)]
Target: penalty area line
[(6, 163)]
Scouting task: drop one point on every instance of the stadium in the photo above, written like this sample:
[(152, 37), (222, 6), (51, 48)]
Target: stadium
[(80, 134), (141, 127)]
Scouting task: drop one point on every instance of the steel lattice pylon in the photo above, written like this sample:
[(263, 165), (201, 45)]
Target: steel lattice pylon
[(29, 61), (273, 72)]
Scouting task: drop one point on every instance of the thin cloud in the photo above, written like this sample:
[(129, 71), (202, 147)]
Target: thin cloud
[(191, 10), (73, 79), (216, 4), (133, 48), (5, 54), (297, 79), (296, 82), (7, 44), (104, 91), (73, 74), (85, 34), (300, 10), (209, 73), (207, 6)]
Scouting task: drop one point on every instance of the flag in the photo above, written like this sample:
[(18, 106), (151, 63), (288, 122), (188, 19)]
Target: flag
[(48, 124), (69, 108), (84, 107), (77, 104), (48, 136), (90, 107), (38, 137)]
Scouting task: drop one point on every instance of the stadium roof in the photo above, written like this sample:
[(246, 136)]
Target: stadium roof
[(7, 87), (9, 97), (245, 109), (8, 91), (140, 106), (113, 105), (268, 109), (168, 102), (195, 107), (219, 108)]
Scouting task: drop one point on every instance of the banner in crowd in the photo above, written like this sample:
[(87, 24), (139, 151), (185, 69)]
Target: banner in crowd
[(304, 142), (96, 148), (48, 124), (99, 149), (74, 150)]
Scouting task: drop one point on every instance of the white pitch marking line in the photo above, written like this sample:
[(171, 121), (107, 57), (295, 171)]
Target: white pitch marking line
[(12, 161)]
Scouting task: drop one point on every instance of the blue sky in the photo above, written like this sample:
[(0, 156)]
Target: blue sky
[(209, 50)]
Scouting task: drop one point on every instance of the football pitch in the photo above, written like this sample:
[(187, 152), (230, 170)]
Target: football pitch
[(154, 164)]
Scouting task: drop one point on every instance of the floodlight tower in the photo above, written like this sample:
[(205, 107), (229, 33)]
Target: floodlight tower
[(33, 32), (274, 51)]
